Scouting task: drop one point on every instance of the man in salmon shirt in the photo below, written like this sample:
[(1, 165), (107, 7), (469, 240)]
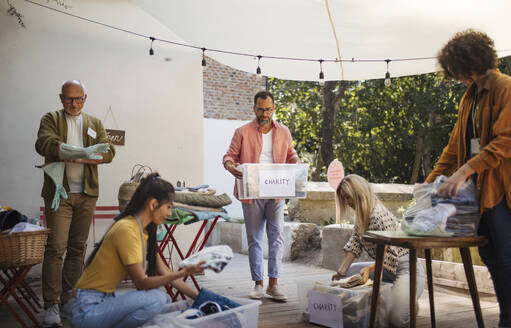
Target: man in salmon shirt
[(263, 140), (480, 148)]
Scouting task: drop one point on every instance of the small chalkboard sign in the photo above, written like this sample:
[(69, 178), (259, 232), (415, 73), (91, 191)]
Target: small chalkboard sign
[(116, 136)]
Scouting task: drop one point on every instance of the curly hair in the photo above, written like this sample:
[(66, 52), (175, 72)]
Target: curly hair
[(468, 52)]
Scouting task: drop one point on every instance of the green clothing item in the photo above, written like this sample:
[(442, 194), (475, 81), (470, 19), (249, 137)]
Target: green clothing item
[(179, 216), (56, 172), (52, 130)]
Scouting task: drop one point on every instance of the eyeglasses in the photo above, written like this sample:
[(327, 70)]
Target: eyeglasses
[(70, 100), (260, 109)]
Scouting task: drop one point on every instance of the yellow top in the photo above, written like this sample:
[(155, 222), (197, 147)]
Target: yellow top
[(121, 247)]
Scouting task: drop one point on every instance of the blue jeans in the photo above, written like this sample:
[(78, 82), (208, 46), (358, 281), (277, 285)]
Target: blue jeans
[(495, 225), (91, 308), (261, 213), (400, 293)]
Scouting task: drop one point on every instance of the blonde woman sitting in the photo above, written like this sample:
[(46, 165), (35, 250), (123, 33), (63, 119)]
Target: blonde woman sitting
[(370, 214)]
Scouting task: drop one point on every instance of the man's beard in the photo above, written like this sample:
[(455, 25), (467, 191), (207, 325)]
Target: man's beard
[(263, 121)]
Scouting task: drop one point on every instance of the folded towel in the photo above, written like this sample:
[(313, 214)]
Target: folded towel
[(214, 201)]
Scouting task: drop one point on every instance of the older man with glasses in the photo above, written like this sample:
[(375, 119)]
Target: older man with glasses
[(59, 132), (263, 140)]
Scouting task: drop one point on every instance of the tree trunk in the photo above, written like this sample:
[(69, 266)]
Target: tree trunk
[(426, 153), (331, 101), (418, 155), (316, 174)]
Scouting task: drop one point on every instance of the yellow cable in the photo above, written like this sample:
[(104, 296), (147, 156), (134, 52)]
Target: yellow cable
[(336, 39)]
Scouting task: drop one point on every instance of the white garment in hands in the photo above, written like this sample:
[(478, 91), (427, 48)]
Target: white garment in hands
[(216, 257)]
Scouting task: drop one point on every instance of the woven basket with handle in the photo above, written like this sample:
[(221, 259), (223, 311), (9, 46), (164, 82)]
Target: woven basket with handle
[(22, 248), (127, 189)]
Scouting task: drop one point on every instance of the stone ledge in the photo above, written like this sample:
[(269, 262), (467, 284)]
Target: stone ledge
[(317, 190), (319, 203), (452, 274), (335, 236)]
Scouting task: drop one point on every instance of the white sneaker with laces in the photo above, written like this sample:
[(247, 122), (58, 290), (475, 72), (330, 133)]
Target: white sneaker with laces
[(52, 317), (275, 293), (256, 293)]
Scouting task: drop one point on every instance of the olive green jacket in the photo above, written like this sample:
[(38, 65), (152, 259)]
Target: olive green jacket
[(52, 130)]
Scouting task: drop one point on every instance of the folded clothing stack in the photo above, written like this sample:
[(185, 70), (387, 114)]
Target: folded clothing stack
[(433, 215), (202, 200)]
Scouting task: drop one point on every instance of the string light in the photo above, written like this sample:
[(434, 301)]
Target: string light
[(321, 74), (228, 52), (258, 70), (203, 59), (151, 51), (387, 81)]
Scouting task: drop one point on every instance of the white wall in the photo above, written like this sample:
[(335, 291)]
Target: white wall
[(159, 103), (217, 138)]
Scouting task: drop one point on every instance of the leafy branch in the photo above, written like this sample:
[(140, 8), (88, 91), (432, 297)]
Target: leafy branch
[(15, 13)]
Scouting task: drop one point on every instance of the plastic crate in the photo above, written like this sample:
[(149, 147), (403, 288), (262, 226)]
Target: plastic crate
[(356, 302), (244, 316), (266, 181)]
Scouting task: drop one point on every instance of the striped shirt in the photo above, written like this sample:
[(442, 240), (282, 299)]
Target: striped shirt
[(381, 220)]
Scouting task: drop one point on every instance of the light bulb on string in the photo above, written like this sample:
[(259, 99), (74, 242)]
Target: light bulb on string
[(387, 81), (258, 70), (151, 51), (321, 74), (203, 59)]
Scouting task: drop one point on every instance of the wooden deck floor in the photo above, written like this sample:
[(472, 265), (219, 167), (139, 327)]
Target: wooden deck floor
[(453, 307)]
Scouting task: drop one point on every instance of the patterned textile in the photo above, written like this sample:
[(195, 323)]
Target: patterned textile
[(381, 220)]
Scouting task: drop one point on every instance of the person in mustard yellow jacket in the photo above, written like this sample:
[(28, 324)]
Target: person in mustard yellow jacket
[(480, 148), (60, 131)]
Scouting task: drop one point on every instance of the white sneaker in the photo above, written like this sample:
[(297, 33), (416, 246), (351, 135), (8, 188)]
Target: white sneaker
[(52, 317), (275, 293), (256, 293)]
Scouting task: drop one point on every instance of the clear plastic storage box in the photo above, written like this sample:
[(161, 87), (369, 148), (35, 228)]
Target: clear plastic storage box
[(244, 316), (356, 301), (266, 181)]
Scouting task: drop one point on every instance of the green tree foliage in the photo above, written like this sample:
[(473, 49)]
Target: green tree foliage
[(377, 128), (386, 134)]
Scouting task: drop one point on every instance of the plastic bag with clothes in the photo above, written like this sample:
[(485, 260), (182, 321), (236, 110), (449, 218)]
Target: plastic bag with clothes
[(433, 215)]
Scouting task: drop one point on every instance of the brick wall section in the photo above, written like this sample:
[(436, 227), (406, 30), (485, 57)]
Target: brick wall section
[(228, 92)]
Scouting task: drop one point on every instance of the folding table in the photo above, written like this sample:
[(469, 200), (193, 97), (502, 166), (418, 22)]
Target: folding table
[(14, 285), (197, 245)]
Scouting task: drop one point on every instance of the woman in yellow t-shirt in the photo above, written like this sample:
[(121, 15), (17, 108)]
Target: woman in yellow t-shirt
[(120, 252)]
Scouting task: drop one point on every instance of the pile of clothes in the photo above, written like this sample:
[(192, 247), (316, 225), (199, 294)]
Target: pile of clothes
[(13, 221), (433, 215), (206, 304), (194, 204)]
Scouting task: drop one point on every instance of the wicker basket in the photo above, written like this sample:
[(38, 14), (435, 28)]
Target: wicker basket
[(22, 248)]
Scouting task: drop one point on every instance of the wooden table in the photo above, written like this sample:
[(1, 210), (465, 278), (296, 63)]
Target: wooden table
[(399, 238)]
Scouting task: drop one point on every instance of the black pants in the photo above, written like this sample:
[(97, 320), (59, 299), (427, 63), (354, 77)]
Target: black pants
[(496, 254)]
